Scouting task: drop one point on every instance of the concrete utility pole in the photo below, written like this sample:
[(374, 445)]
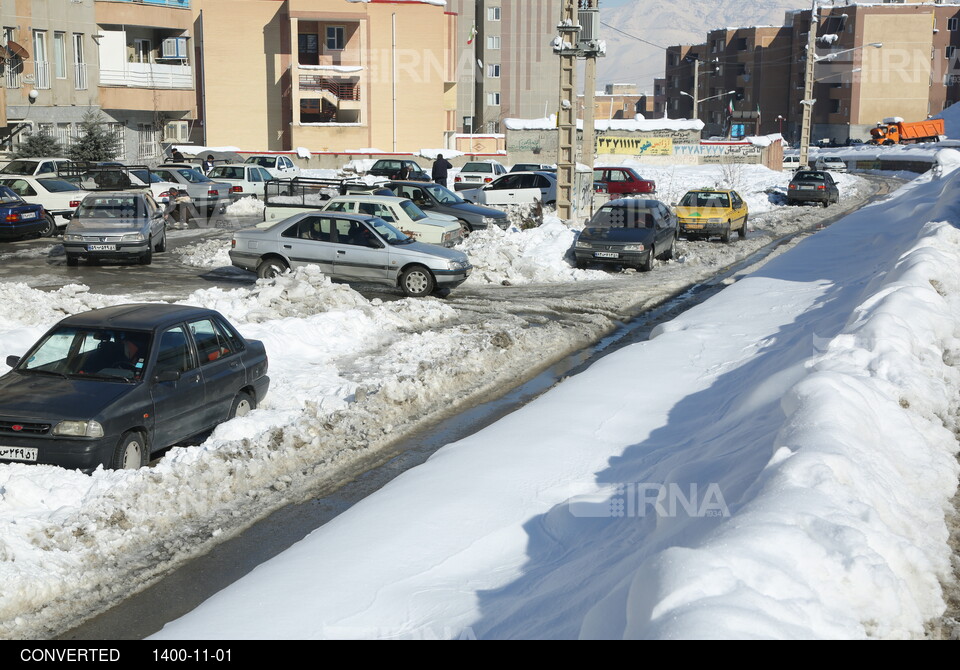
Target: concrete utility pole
[(696, 88), (808, 100), (577, 38)]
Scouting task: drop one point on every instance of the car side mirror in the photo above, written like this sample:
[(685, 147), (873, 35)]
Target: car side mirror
[(12, 361), (167, 376)]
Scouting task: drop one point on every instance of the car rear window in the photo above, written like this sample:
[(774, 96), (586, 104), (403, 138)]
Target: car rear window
[(227, 173), (57, 185), (623, 216), (477, 167), (809, 176)]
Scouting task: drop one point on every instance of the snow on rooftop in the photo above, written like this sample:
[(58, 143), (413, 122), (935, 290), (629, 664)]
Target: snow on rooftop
[(640, 124)]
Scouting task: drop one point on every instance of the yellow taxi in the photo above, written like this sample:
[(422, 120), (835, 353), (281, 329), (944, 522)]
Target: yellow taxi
[(707, 212)]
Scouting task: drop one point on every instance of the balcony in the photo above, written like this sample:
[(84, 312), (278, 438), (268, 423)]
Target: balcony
[(148, 75), (340, 89)]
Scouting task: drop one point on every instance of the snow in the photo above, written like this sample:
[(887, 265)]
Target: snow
[(640, 124), (799, 426), (777, 462)]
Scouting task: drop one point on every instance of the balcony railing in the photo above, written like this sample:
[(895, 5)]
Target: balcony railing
[(148, 75), (343, 90), (41, 70)]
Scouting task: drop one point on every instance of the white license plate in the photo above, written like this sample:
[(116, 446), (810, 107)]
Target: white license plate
[(101, 247), (28, 215), (19, 453), (605, 254), (806, 187)]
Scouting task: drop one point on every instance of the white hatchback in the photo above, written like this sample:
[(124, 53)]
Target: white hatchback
[(403, 214), (280, 167)]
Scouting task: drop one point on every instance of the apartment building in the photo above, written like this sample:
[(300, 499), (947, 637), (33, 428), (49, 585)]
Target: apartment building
[(327, 75), (873, 61), (48, 68), (506, 66)]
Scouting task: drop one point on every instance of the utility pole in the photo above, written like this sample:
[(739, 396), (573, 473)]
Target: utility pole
[(577, 38), (696, 87), (808, 100)]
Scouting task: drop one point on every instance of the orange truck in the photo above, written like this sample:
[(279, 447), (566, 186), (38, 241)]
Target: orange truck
[(896, 131)]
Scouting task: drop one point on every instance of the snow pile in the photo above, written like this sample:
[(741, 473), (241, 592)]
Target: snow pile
[(951, 120), (246, 207), (535, 255), (207, 254)]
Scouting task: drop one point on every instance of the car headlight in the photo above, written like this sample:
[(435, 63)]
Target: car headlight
[(714, 220), (133, 237), (78, 429), (633, 247), (457, 265), (73, 237), (584, 245)]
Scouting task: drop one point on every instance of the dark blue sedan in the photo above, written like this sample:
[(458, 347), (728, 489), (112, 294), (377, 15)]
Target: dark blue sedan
[(628, 232), (18, 218), (113, 386)]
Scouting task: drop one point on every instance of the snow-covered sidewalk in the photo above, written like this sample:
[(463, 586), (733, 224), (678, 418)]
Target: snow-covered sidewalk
[(775, 463)]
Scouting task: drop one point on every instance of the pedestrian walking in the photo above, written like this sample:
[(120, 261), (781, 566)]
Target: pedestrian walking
[(176, 155), (208, 163), (439, 171)]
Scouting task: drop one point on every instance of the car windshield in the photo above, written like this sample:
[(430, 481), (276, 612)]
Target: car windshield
[(224, 172), (20, 167), (623, 216), (57, 185), (262, 161), (146, 176), (388, 232), (705, 199), (411, 210), (111, 207), (90, 353), (193, 176), (444, 195)]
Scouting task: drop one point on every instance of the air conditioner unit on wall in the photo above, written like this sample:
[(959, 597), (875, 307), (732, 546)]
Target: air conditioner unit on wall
[(176, 131), (174, 47)]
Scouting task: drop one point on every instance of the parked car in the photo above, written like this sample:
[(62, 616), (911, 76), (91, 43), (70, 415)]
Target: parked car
[(389, 168), (629, 232), (57, 197), (115, 225), (19, 219), (245, 179), (474, 173), (280, 167), (791, 162), (208, 195), (532, 167), (158, 187), (434, 198), (831, 163), (516, 188), (349, 247), (815, 186), (113, 386), (623, 181), (402, 214), (35, 167), (705, 212)]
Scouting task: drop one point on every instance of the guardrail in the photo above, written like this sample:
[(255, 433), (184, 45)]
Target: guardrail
[(341, 89)]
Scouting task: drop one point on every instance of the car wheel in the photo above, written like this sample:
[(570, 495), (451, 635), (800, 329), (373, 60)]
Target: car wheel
[(147, 257), (725, 235), (72, 260), (242, 405), (49, 227), (742, 232), (581, 265), (162, 244), (131, 453), (465, 229), (647, 264), (416, 281), (272, 267), (668, 254), (826, 203)]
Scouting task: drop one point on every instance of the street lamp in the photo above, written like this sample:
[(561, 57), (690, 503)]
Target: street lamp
[(697, 102), (780, 120)]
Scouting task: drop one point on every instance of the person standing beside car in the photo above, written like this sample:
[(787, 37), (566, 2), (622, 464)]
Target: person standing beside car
[(440, 168), (403, 174)]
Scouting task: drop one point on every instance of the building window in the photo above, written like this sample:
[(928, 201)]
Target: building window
[(493, 42), (952, 24), (79, 63), (146, 141), (14, 66), (335, 38), (493, 13), (493, 99), (41, 67), (951, 52), (493, 70), (141, 51), (60, 55)]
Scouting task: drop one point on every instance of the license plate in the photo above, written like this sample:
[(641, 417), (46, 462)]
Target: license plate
[(693, 226), (19, 453), (605, 254), (101, 247), (806, 187), (28, 215)]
